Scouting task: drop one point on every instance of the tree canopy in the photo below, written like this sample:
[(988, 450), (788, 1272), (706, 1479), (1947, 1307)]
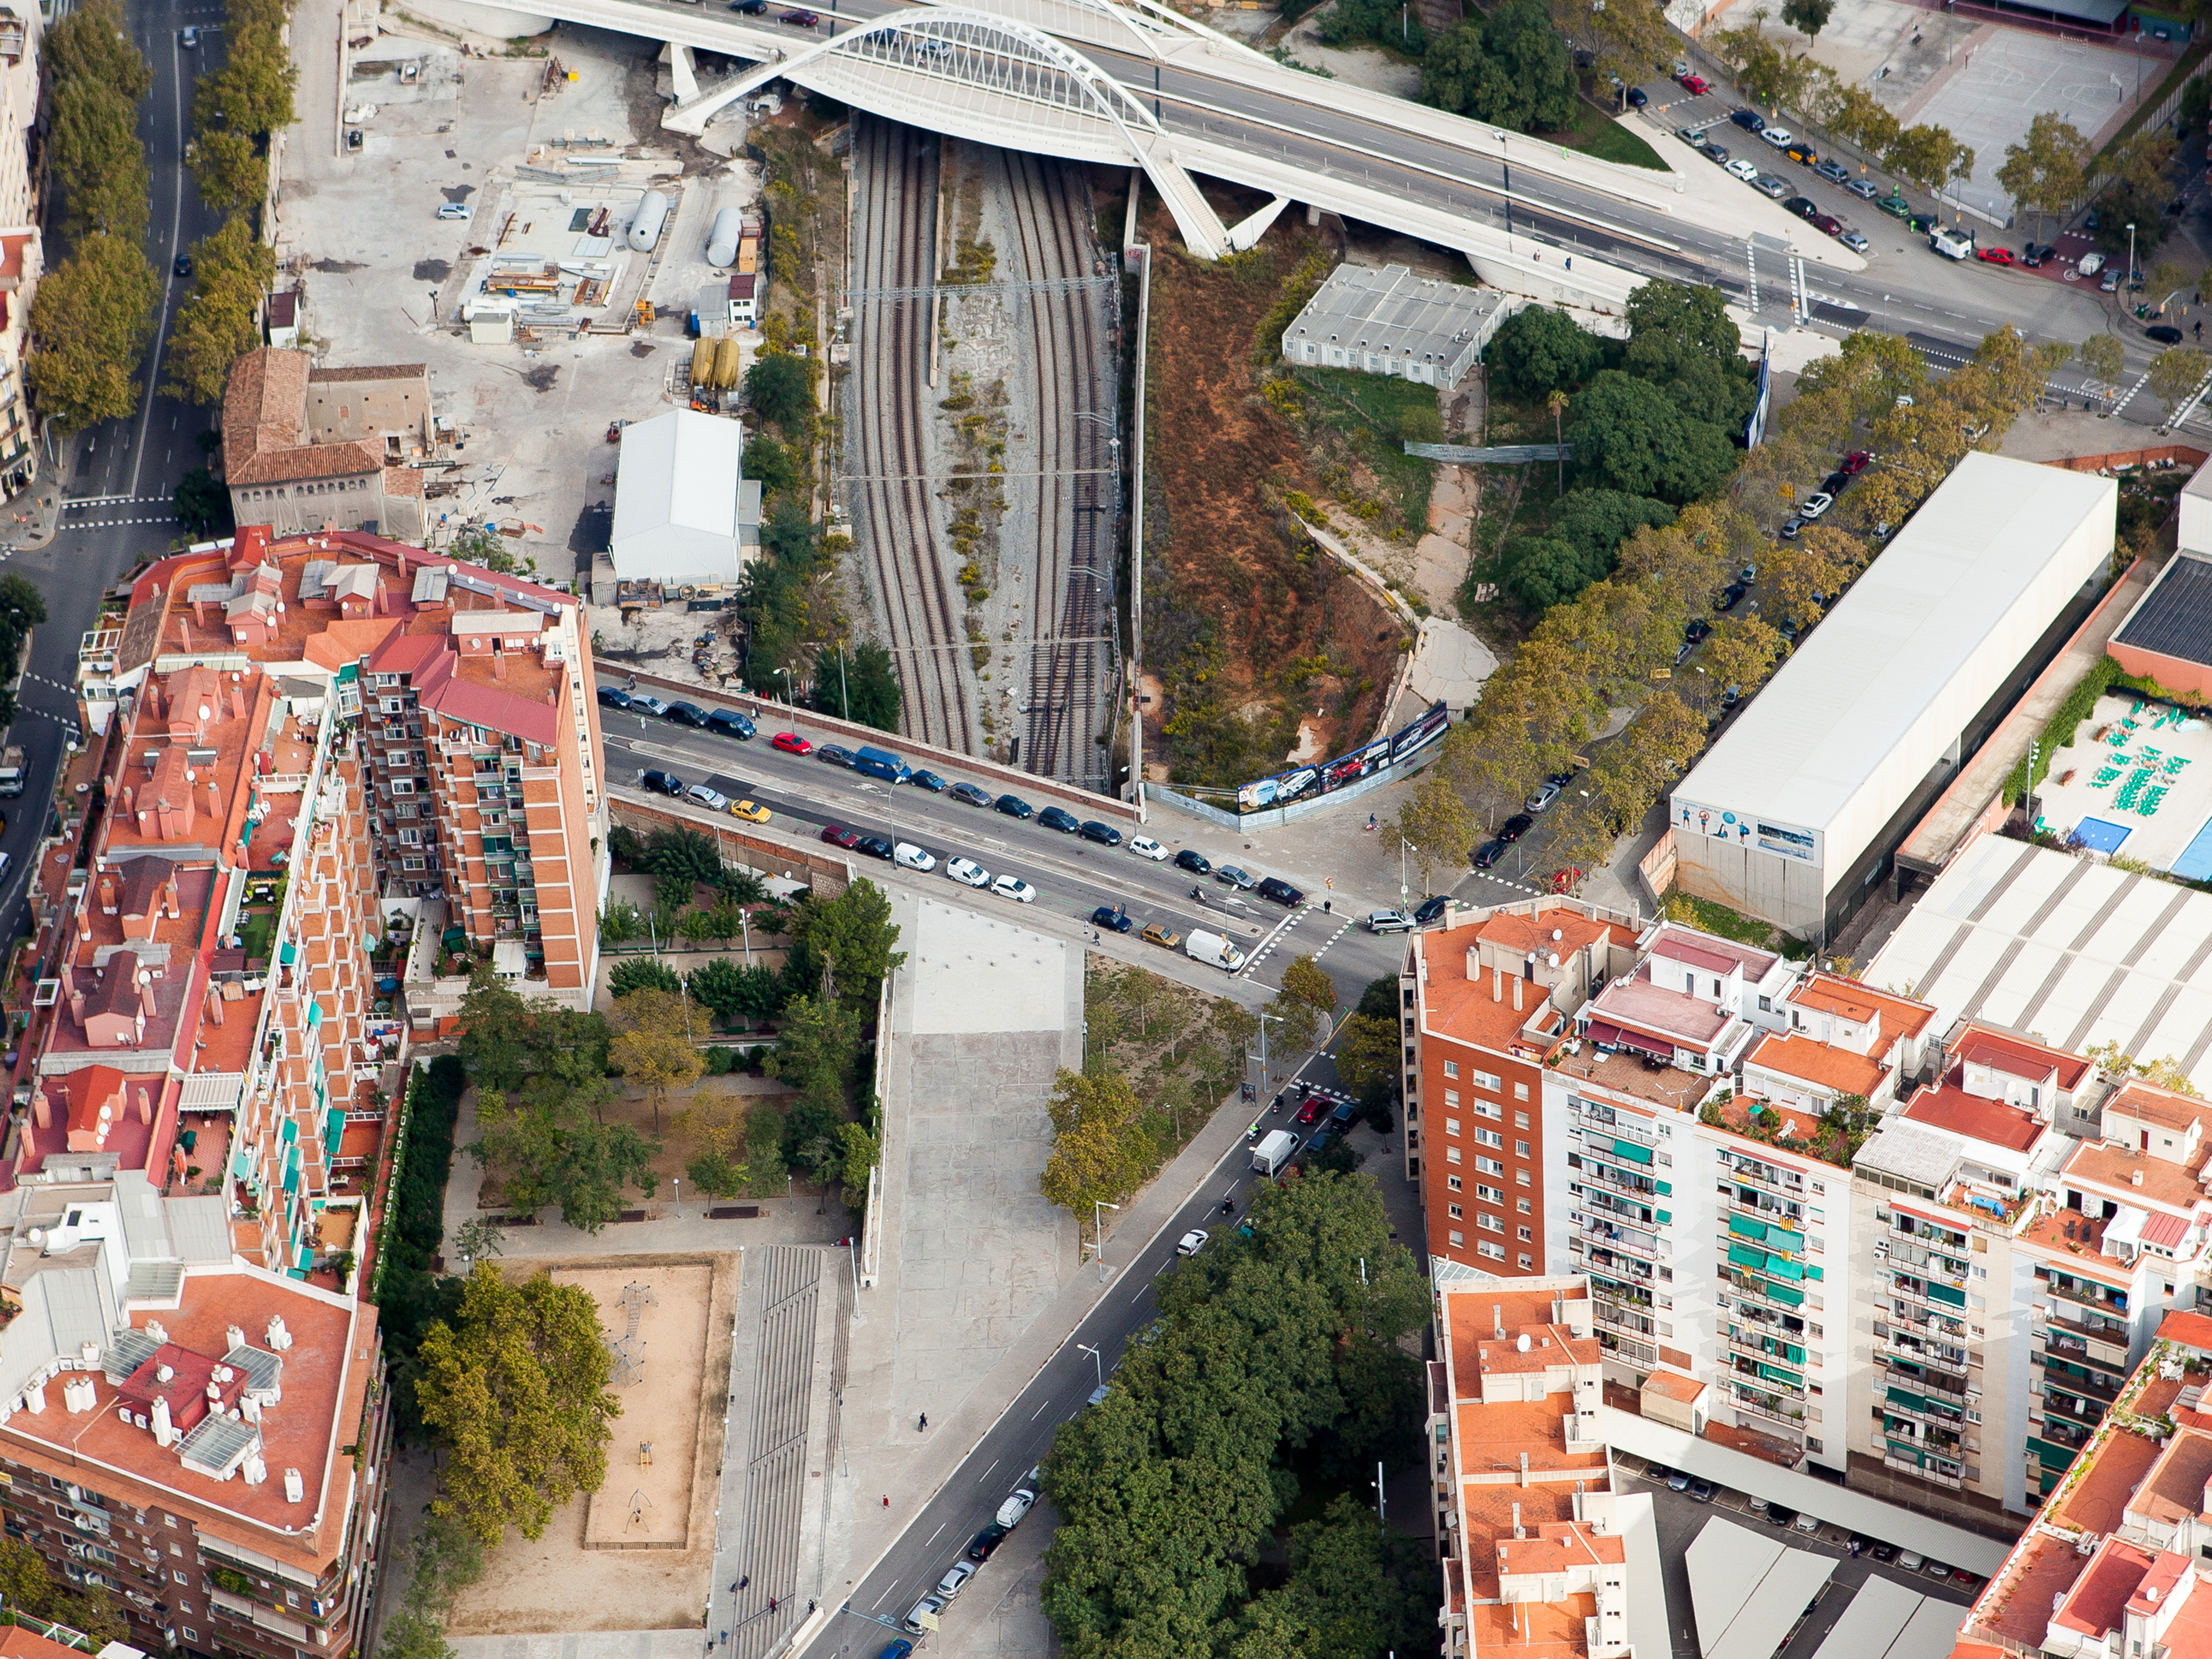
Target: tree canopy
[(91, 320), (1682, 340), (1097, 1153), (514, 1387), (852, 935), (1539, 349), (1629, 435), (862, 684), (1511, 69)]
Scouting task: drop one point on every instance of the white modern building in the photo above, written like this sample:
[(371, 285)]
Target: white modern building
[(685, 515), (1388, 321), (1793, 814)]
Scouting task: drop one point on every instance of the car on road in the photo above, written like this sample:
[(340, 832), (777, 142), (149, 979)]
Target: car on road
[(1814, 505), (1696, 85), (1834, 171), (1160, 933), (661, 782), (1516, 827), (1747, 171), (1104, 834), (641, 704), (1544, 796), (1693, 137), (986, 1541), (1697, 629), (928, 781), (1145, 847), (1731, 596), (730, 724), (190, 39), (907, 856), (1060, 819), (1702, 1491), (453, 210), (1192, 859), (1278, 891), (613, 697), (956, 1579), (838, 835), (1113, 921), (1718, 155), (791, 743), (1015, 888), (686, 713), (1749, 120), (1780, 137), (1488, 854), (969, 793), (1865, 189), (1230, 876), (805, 20), (1310, 1112), (832, 754), (750, 811), (1432, 909), (1854, 240), (1638, 98), (929, 1607), (1191, 1243), (2164, 333), (1014, 806), (1016, 1506), (1389, 922), (708, 797), (876, 847), (1995, 256), (1767, 185), (184, 264), (968, 872)]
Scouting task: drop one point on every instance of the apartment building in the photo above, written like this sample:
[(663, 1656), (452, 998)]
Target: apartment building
[(1483, 1002), (1538, 1548), (2114, 1562), (201, 1439), (463, 698)]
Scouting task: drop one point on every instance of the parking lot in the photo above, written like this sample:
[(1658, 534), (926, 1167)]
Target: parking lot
[(1681, 1516)]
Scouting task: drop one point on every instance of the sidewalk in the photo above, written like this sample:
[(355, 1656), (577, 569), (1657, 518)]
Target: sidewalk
[(34, 517)]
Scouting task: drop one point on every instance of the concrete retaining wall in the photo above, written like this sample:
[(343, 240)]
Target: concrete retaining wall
[(827, 872)]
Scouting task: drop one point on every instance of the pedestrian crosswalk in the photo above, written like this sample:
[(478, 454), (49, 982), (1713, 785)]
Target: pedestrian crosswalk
[(117, 524)]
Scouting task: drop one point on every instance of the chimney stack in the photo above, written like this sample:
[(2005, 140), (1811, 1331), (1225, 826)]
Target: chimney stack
[(1516, 996), (1497, 1322), (161, 1421), (1519, 1531), (1524, 1468)]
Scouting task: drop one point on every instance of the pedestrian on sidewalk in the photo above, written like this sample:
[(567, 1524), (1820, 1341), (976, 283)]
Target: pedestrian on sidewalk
[(922, 1426), (745, 1582), (771, 1604), (810, 1606), (887, 1500)]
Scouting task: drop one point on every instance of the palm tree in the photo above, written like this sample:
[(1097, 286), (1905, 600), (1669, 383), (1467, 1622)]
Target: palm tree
[(1558, 401)]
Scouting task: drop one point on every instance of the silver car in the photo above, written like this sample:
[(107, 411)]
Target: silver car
[(1767, 185), (933, 1605), (1389, 922)]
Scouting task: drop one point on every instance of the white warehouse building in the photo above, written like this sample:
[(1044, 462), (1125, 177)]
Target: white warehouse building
[(685, 515), (1388, 321), (1793, 815)]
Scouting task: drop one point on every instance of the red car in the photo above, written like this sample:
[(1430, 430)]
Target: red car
[(837, 835), (791, 743), (1854, 463), (1995, 256), (1311, 1111), (1695, 85)]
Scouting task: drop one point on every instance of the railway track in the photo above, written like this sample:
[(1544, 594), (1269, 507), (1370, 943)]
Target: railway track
[(1071, 620), (893, 241)]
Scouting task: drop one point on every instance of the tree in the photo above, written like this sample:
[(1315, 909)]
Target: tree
[(852, 935), (1098, 1146), (713, 1174), (1511, 69), (1740, 652), (1542, 571), (652, 1044), (781, 393), (98, 160), (1930, 157), (543, 1149), (2175, 374), (515, 1391), (818, 1049), (1682, 339), (1769, 75), (862, 685), (90, 322), (218, 321), (233, 173), (1854, 114), (633, 975), (2046, 173), (1367, 1048), (2103, 359), (1808, 17), (1538, 349), (203, 506), (252, 92), (91, 44), (765, 1167), (1597, 521), (1304, 979), (1628, 436), (1435, 821), (732, 991)]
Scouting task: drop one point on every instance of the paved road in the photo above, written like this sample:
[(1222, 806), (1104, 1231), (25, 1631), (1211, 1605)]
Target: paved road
[(116, 507)]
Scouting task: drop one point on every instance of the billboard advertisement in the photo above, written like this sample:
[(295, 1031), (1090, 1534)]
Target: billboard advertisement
[(1302, 781), (1788, 841)]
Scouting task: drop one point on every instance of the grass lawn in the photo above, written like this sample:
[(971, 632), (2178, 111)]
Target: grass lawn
[(1594, 133), (1717, 918), (256, 930), (1365, 410)]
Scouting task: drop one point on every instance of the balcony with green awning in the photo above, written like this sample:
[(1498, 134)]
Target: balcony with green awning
[(1744, 1227), (1633, 1152), (1744, 1256), (1945, 1294)]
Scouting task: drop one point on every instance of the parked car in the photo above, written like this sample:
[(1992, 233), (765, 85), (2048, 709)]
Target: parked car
[(613, 697), (838, 835), (1781, 1514), (1014, 806), (1854, 463), (1747, 171), (1104, 834), (1230, 876), (1702, 1491), (833, 753), (1730, 596), (804, 20), (446, 210), (970, 794), (1790, 527), (1937, 1571), (1145, 847), (1697, 629), (1814, 505), (1834, 483), (929, 1605), (1015, 888), (1058, 817), (1693, 137), (1019, 1502), (928, 781), (730, 724), (1638, 98), (1780, 137), (749, 8), (907, 856), (1808, 1524), (1389, 922), (968, 872), (1677, 1481), (1884, 1553), (750, 811), (791, 743), (1911, 1560), (1160, 934), (1995, 256), (2164, 333), (1516, 827), (1432, 909), (876, 847), (1488, 853), (1696, 85), (956, 1579), (1113, 921), (687, 714), (1802, 154), (1854, 240), (1865, 190), (1767, 185), (1803, 206), (1192, 859), (1543, 798), (1834, 171), (1191, 1243), (645, 705), (661, 782), (1277, 890), (1826, 223), (1718, 155), (1749, 120), (2036, 253), (708, 797)]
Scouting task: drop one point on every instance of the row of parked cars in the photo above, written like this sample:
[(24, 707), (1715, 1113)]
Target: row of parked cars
[(1781, 1514), (1785, 144), (1019, 1503), (1521, 822)]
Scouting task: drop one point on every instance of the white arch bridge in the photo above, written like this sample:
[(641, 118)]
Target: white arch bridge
[(1139, 85)]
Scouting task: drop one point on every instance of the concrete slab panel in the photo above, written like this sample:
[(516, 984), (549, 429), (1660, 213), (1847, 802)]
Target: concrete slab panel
[(1726, 1563), (1878, 1614), (1932, 1632), (978, 974), (1778, 1601)]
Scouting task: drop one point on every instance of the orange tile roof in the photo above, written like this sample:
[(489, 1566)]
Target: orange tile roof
[(16, 1642), (1947, 1106), (1483, 1013), (1848, 998), (2016, 1603), (2190, 1330), (2114, 1168), (2100, 1497), (2174, 1488), (1801, 1057), (1672, 1385), (1555, 1548), (2018, 1056), (1472, 1313), (1533, 1629), (2099, 1599), (1548, 1345), (1506, 1428), (2161, 1106)]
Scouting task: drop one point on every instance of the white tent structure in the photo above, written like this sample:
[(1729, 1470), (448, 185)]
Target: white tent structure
[(684, 512)]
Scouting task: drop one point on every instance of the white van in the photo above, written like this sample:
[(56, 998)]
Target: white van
[(907, 856)]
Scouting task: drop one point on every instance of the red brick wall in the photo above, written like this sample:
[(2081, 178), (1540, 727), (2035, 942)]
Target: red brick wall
[(1518, 1124)]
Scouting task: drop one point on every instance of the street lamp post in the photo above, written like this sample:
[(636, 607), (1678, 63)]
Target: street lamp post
[(1403, 847), (1098, 1359), (2131, 262), (787, 710), (1098, 1209)]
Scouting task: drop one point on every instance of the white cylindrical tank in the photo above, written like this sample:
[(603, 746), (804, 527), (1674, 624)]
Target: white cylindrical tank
[(651, 215), (723, 240)]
